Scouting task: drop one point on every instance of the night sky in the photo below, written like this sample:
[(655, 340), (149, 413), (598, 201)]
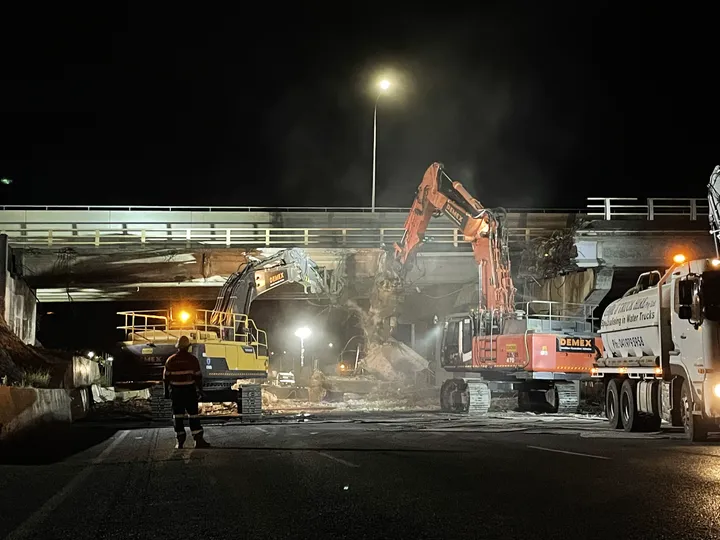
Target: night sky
[(528, 104)]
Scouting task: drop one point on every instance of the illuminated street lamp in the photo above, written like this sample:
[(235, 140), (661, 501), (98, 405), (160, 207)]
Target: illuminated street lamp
[(303, 333), (383, 86)]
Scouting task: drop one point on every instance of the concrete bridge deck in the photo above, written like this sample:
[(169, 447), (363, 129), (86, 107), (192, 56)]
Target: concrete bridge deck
[(96, 253)]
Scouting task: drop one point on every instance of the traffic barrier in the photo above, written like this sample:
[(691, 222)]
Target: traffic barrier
[(24, 408)]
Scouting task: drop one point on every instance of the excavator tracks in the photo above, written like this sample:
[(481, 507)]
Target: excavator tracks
[(473, 396)]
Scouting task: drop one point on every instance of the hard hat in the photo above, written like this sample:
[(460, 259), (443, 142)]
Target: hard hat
[(183, 342)]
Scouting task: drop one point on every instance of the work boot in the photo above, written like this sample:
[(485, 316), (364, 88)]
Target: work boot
[(180, 440), (200, 442)]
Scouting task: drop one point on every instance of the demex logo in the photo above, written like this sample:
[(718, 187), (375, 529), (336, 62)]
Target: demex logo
[(454, 213), (276, 278), (571, 344)]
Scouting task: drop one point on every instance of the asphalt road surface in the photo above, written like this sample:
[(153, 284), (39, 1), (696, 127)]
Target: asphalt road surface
[(412, 476)]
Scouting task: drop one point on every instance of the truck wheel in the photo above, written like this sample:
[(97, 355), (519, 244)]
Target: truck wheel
[(695, 429), (676, 413), (651, 422), (628, 406), (612, 404)]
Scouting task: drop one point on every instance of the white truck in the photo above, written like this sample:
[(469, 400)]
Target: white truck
[(661, 357), (661, 341)]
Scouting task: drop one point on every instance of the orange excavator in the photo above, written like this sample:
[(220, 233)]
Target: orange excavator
[(542, 349)]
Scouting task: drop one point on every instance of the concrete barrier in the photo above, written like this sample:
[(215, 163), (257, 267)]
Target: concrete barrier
[(82, 373), (24, 408)]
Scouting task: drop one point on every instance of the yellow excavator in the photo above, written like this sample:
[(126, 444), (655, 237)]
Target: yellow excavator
[(232, 350)]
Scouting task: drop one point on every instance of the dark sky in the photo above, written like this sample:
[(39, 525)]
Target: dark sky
[(528, 104)]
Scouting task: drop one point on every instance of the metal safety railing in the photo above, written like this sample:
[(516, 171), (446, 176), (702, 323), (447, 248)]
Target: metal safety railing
[(151, 326), (271, 209), (558, 311), (63, 235), (609, 208)]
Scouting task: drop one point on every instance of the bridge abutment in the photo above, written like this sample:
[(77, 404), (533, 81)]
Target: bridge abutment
[(19, 304)]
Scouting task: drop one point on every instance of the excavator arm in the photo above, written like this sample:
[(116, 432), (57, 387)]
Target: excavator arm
[(260, 276), (714, 207), (482, 227)]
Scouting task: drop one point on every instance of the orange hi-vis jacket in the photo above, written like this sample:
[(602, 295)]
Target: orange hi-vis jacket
[(183, 369)]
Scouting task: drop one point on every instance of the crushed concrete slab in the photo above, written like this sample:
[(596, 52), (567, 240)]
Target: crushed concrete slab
[(394, 361)]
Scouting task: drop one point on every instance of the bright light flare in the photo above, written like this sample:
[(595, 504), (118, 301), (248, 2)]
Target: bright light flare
[(90, 354), (715, 262), (384, 85), (679, 258), (303, 332), (184, 316)]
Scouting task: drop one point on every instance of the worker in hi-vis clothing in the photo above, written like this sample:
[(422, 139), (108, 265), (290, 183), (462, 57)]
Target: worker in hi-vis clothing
[(183, 383)]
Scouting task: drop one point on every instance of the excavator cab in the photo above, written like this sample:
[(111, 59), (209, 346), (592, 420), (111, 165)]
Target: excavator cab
[(456, 348)]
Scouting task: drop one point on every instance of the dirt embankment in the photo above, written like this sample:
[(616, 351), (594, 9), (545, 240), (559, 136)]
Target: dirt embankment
[(18, 359)]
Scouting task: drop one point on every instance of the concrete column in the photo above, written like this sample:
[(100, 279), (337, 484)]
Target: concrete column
[(18, 304), (4, 266)]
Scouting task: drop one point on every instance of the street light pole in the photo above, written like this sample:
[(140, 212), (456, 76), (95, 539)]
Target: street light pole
[(302, 352), (302, 333), (384, 85), (374, 152)]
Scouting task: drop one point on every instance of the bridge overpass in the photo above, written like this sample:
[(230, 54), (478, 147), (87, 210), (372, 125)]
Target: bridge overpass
[(83, 253), (616, 232)]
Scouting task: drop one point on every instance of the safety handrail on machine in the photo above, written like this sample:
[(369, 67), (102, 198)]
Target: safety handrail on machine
[(159, 325), (558, 311)]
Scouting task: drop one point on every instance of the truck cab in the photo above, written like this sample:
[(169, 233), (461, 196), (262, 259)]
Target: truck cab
[(695, 335)]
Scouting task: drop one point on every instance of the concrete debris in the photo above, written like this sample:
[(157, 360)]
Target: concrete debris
[(135, 407), (386, 358), (318, 386), (103, 394), (394, 361), (224, 408)]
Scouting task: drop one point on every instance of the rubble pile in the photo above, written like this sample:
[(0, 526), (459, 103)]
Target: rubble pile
[(219, 409), (386, 358), (135, 407), (394, 361)]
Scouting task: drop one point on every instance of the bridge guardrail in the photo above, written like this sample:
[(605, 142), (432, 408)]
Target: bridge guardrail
[(181, 208), (627, 207), (240, 237)]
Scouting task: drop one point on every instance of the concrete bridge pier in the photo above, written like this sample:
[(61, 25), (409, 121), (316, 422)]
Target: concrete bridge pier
[(18, 304)]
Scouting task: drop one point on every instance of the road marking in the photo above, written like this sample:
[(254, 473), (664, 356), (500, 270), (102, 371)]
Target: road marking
[(567, 452), (105, 453), (339, 460), (262, 429), (27, 528)]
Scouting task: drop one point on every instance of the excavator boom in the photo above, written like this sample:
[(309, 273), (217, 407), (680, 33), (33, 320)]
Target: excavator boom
[(439, 194), (258, 277)]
